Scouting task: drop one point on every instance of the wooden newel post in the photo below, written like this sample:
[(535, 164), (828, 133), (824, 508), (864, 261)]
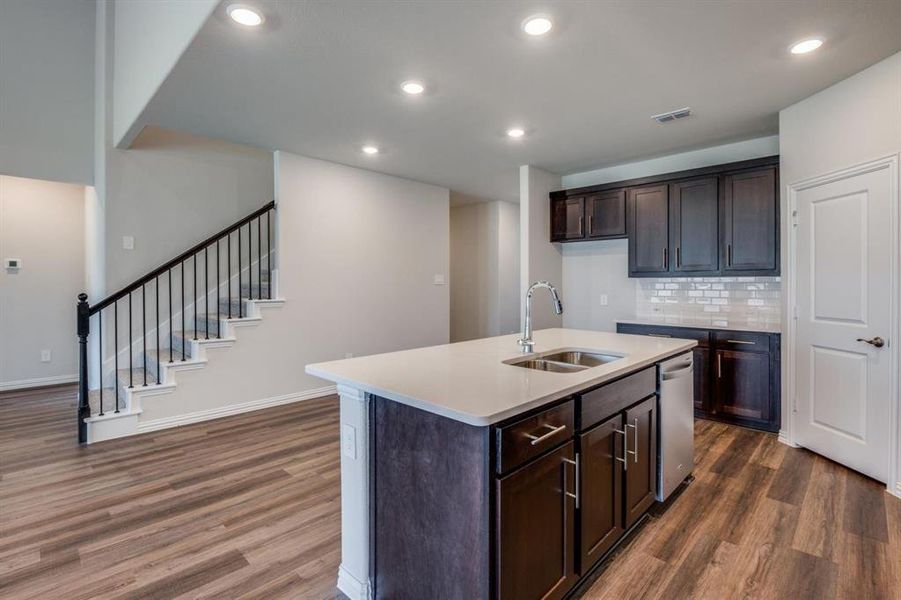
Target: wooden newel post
[(84, 328)]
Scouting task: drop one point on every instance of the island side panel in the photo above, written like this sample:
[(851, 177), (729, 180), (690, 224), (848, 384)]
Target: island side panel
[(430, 478)]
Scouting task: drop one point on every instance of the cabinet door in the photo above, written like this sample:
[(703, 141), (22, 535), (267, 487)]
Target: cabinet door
[(535, 528), (606, 214), (694, 225), (743, 385), (702, 379), (601, 489), (751, 222), (641, 454), (568, 219), (648, 213)]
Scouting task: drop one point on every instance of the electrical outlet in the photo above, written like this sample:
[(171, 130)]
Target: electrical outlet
[(349, 441), (439, 279), (348, 355), (604, 300), (46, 356), (128, 242)]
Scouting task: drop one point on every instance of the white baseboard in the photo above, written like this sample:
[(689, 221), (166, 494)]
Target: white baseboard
[(22, 384), (352, 587), (897, 491), (784, 439), (233, 409)]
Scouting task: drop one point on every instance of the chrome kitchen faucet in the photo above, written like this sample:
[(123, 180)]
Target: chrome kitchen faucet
[(525, 342)]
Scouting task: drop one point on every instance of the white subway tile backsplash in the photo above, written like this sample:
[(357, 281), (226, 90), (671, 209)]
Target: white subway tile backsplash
[(721, 301)]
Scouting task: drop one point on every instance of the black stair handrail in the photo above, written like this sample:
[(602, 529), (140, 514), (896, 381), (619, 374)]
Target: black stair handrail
[(200, 251), (180, 258)]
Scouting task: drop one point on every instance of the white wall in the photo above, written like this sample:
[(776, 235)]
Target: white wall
[(170, 191), (150, 37), (852, 122), (591, 269), (539, 258), (47, 90), (41, 223), (484, 263), (358, 255)]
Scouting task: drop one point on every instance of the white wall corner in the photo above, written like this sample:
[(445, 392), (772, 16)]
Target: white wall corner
[(539, 258)]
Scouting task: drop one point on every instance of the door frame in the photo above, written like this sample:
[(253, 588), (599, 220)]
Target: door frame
[(789, 317)]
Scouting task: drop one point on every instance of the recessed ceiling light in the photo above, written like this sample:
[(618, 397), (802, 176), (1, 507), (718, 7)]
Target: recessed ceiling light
[(412, 87), (537, 25), (370, 150), (516, 132), (245, 15), (805, 46)]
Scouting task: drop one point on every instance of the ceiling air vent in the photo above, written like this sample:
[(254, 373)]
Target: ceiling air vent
[(672, 115)]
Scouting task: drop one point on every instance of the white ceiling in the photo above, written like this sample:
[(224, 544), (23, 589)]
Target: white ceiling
[(321, 79)]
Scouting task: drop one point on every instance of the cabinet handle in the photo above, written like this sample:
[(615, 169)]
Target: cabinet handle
[(537, 439), (581, 226), (578, 493), (665, 259), (623, 460), (742, 342), (729, 254), (589, 224), (634, 426), (678, 256), (719, 365), (663, 335)]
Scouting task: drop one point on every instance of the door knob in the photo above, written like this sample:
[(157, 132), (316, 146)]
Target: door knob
[(877, 341)]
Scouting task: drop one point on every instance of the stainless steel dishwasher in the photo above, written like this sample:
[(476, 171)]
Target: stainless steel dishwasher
[(676, 446)]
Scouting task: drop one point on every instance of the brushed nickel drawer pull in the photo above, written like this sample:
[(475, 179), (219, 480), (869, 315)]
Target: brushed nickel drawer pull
[(635, 427), (663, 335), (537, 439), (719, 365), (742, 342), (623, 460), (578, 493)]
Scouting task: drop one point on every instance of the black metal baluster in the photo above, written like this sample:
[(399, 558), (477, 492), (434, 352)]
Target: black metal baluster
[(100, 354), (218, 290), (131, 382), (249, 262), (171, 324), (259, 260), (144, 327), (240, 287), (206, 293), (157, 306), (269, 253), (194, 277), (183, 332), (228, 273), (115, 351)]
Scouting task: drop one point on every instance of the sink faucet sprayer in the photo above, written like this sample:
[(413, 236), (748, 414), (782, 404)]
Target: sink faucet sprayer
[(525, 342)]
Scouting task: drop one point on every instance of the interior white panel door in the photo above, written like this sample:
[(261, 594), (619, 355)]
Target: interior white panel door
[(844, 297)]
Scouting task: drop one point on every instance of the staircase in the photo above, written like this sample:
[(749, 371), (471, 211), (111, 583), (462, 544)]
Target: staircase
[(135, 342)]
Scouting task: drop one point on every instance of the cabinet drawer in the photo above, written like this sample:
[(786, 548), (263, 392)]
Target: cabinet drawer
[(744, 341), (701, 336), (603, 402), (525, 439)]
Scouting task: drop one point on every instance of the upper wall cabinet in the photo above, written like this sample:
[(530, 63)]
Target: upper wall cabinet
[(600, 216), (720, 220)]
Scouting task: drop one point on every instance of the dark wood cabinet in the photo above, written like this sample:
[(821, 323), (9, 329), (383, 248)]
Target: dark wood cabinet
[(601, 489), (568, 219), (737, 375), (641, 458), (751, 222), (702, 379), (606, 212), (694, 225), (743, 385), (535, 528), (716, 220), (648, 227)]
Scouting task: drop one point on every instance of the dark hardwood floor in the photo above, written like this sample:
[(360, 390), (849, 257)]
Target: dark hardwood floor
[(248, 507)]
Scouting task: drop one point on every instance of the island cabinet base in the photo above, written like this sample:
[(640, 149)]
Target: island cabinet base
[(525, 509)]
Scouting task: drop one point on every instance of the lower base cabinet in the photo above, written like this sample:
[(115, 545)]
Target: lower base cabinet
[(601, 486), (536, 509), (641, 460)]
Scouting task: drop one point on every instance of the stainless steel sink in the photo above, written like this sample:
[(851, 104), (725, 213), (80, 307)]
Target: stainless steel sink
[(578, 357), (546, 365), (565, 361)]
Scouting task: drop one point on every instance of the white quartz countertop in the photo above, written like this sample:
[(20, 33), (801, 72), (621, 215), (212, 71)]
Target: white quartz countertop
[(470, 382), (698, 324)]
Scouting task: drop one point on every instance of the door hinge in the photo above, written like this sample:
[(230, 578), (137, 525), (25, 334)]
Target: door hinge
[(795, 312), (796, 220)]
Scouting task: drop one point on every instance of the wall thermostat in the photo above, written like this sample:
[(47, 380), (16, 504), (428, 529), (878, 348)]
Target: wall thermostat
[(13, 263)]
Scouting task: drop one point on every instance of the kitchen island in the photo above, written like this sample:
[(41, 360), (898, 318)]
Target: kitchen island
[(462, 468)]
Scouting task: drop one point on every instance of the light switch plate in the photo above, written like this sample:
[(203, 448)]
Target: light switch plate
[(604, 300), (349, 441), (128, 242), (46, 356)]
